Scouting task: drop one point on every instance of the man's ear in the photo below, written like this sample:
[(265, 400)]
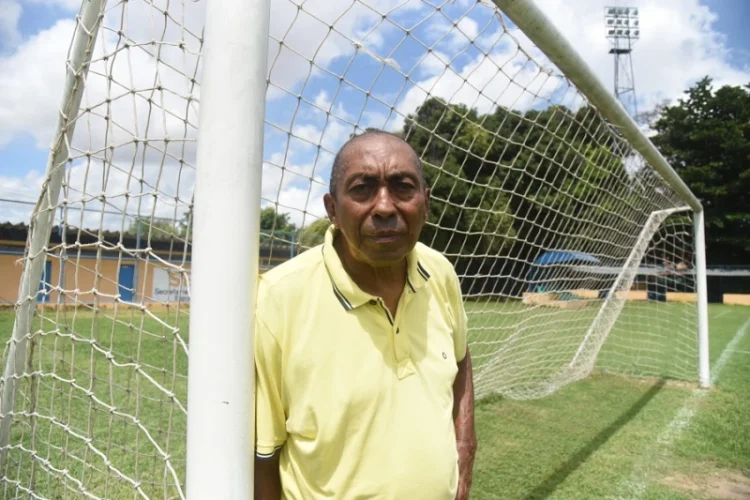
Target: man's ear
[(427, 204), (330, 205)]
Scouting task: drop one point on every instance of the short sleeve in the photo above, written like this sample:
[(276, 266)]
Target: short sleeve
[(460, 321), (270, 419)]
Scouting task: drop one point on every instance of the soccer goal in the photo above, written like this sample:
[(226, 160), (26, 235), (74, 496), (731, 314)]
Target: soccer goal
[(193, 146)]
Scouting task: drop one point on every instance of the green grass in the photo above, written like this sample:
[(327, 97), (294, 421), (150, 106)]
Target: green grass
[(126, 410), (528, 348), (596, 438)]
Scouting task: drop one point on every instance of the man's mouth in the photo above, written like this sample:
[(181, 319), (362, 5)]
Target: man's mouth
[(385, 236)]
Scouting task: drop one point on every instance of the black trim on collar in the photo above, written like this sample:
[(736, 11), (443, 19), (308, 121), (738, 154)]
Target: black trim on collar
[(422, 271), (340, 296), (347, 305)]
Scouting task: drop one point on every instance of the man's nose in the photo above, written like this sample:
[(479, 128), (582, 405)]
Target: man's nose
[(384, 206)]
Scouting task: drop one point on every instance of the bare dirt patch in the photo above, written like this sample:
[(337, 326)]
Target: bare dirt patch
[(724, 485), (646, 381)]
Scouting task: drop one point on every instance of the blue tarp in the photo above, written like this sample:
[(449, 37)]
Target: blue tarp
[(564, 256), (544, 274)]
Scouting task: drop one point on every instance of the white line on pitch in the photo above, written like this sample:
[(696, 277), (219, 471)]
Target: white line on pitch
[(728, 350), (636, 486), (723, 313)]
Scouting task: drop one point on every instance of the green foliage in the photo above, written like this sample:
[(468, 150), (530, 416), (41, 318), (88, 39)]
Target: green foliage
[(157, 229), (186, 223), (468, 211), (314, 234), (272, 220), (485, 169), (706, 138), (598, 437)]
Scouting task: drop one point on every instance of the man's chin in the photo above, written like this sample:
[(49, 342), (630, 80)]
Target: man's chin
[(384, 257)]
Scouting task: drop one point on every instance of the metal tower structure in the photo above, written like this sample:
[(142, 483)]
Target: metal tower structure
[(623, 29)]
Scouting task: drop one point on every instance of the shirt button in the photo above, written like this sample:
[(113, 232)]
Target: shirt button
[(398, 330), (372, 302)]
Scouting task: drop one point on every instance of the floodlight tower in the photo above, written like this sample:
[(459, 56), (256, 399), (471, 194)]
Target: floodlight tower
[(623, 29)]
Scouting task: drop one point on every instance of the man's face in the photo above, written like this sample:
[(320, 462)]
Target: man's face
[(380, 204)]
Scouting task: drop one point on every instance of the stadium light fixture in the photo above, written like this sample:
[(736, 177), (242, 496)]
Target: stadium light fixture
[(623, 20)]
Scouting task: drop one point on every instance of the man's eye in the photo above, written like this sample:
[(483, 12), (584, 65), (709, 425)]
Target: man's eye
[(404, 186)]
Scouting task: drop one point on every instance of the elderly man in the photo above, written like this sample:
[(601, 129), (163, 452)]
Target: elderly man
[(363, 375)]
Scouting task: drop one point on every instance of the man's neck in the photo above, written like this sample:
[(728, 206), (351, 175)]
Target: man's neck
[(380, 281)]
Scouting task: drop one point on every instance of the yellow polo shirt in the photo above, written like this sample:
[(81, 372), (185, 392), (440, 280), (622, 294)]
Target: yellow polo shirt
[(359, 403)]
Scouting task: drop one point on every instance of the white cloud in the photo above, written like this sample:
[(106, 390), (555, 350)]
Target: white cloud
[(23, 188), (433, 64), (505, 77), (454, 36), (10, 13), (70, 5), (133, 144), (298, 189), (678, 45), (34, 74), (96, 195), (303, 43)]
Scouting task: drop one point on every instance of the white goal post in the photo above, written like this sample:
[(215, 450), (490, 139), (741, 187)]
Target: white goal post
[(220, 425), (543, 33), (192, 148)]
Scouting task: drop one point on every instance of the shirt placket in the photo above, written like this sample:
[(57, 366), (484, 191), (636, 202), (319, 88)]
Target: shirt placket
[(400, 338)]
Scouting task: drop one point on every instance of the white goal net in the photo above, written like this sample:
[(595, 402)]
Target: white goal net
[(575, 255)]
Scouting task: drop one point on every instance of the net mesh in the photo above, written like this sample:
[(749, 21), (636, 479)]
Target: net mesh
[(573, 254)]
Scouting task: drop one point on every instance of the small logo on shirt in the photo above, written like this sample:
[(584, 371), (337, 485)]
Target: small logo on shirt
[(445, 356)]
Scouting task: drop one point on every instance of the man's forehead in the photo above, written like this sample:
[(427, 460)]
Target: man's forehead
[(373, 171), (370, 154)]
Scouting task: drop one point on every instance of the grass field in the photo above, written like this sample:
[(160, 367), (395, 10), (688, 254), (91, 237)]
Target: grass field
[(522, 351), (615, 437), (116, 386)]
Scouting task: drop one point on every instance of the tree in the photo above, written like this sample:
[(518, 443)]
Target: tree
[(314, 234), (156, 229), (503, 182), (467, 208), (484, 168), (470, 218), (706, 138), (273, 221), (270, 220), (186, 223)]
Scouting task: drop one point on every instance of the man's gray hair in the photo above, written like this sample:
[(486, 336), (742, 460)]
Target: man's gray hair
[(338, 160)]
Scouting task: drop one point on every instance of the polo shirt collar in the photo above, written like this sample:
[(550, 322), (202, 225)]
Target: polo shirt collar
[(348, 293)]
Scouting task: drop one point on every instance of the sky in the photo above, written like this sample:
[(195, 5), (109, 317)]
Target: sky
[(364, 73)]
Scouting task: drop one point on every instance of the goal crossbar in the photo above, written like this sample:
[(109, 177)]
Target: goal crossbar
[(540, 30)]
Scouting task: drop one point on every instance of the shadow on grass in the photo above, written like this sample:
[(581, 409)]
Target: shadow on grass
[(550, 484)]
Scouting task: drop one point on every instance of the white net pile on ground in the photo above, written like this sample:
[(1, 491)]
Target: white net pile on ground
[(554, 223)]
